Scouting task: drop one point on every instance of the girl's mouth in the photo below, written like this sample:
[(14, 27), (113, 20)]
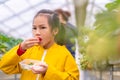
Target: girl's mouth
[(40, 39)]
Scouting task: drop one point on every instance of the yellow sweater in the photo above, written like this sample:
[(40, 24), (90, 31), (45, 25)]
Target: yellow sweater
[(61, 64)]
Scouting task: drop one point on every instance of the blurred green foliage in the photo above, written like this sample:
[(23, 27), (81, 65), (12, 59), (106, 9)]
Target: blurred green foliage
[(99, 44), (113, 5), (6, 42)]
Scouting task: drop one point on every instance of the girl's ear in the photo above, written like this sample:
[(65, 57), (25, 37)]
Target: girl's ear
[(55, 31)]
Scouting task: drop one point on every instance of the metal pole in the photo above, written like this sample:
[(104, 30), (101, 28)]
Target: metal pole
[(15, 76), (111, 72), (100, 75)]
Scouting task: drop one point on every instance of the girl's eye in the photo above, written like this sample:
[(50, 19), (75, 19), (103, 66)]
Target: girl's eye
[(34, 28), (43, 27)]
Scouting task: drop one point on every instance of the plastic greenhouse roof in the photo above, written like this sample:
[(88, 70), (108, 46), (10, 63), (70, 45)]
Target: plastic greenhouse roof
[(16, 15)]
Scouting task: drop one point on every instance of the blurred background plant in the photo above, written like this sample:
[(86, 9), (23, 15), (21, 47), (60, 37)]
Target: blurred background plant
[(100, 44), (6, 42)]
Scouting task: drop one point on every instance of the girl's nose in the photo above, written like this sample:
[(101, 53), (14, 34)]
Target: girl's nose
[(37, 32)]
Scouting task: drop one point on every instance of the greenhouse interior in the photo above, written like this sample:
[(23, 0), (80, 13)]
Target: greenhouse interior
[(97, 46)]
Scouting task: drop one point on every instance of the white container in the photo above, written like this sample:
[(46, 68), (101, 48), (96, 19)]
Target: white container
[(28, 63)]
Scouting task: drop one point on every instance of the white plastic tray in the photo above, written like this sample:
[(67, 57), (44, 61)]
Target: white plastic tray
[(28, 63)]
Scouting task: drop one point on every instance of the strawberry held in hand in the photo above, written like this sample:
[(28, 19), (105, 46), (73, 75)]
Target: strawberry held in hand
[(40, 39)]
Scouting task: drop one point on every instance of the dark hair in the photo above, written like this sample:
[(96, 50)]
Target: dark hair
[(54, 22), (53, 19), (65, 14)]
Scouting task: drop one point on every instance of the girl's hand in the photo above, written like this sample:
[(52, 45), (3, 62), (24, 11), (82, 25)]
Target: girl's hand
[(29, 43), (40, 68)]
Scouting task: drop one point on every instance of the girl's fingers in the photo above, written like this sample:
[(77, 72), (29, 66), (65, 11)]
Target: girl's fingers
[(40, 67), (30, 42), (37, 69), (43, 64)]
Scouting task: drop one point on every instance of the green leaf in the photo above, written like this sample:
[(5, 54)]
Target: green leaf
[(6, 42)]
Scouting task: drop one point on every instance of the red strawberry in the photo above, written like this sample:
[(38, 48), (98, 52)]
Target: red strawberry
[(40, 39)]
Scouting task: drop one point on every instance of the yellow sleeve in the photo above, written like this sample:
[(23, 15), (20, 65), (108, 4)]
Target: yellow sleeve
[(9, 62), (70, 72)]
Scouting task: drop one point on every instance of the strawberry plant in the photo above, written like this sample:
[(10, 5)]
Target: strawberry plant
[(6, 42), (100, 44)]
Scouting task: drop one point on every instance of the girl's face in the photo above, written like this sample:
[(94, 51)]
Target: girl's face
[(42, 29)]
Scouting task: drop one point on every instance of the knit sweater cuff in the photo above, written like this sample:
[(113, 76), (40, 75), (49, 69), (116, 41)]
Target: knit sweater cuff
[(20, 51)]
